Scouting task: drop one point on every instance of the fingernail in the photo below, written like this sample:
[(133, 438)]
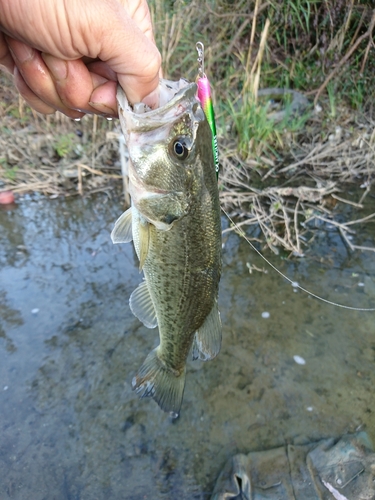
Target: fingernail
[(57, 67), (102, 108), (21, 52)]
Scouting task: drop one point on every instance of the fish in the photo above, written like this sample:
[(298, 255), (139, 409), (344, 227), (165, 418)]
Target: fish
[(175, 225)]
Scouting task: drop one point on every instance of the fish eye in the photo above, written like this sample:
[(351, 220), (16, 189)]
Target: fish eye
[(180, 148)]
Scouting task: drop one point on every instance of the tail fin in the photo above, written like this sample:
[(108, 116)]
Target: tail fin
[(155, 380)]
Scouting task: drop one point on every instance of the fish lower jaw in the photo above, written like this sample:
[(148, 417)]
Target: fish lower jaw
[(139, 194)]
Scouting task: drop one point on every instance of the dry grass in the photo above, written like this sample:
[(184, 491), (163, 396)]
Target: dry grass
[(53, 154), (310, 183), (278, 175)]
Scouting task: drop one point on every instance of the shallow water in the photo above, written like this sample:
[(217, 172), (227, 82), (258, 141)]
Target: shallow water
[(70, 424)]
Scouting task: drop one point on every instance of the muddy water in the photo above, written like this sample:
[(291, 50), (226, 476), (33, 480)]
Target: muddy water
[(70, 425)]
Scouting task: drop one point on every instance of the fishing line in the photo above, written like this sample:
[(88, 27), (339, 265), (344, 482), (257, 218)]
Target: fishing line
[(204, 96), (295, 285)]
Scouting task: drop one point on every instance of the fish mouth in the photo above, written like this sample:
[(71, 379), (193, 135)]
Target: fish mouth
[(175, 99)]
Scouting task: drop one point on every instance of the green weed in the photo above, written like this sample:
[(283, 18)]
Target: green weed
[(255, 130), (332, 97), (64, 144), (355, 91), (10, 173)]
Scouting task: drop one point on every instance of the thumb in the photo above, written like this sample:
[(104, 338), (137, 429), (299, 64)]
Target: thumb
[(129, 50)]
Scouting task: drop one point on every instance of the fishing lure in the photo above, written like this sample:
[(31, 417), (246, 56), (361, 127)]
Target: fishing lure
[(204, 96)]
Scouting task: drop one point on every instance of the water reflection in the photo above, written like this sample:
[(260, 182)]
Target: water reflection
[(8, 317)]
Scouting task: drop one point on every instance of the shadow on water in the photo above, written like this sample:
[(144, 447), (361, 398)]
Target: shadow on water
[(72, 428)]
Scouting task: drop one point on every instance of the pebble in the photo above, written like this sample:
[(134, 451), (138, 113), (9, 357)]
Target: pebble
[(265, 315)]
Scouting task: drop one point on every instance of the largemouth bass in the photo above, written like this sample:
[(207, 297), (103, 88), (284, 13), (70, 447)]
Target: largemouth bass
[(174, 222)]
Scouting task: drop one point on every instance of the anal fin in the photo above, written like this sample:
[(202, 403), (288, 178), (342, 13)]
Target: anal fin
[(207, 340)]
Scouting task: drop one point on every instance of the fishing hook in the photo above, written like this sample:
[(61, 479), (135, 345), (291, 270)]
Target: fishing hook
[(200, 49)]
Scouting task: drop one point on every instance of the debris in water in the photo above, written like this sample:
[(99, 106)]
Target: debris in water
[(265, 315), (334, 492), (299, 360), (6, 198)]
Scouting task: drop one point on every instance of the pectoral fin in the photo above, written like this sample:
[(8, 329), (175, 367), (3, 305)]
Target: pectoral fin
[(207, 340), (142, 306), (122, 232), (144, 242)]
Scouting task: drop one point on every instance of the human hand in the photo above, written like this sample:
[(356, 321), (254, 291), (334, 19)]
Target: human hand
[(70, 55)]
